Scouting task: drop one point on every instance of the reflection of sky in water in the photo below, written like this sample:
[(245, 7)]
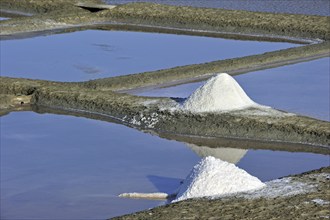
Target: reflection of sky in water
[(93, 54), (73, 168), (2, 18), (269, 165), (68, 167), (301, 88)]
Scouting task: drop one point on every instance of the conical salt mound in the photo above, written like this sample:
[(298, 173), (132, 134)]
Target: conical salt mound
[(214, 177), (220, 93)]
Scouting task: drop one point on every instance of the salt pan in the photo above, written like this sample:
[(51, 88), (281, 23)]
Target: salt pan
[(214, 177), (220, 93)]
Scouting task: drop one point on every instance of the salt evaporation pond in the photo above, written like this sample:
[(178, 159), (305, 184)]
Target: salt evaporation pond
[(93, 54), (301, 88), (65, 167)]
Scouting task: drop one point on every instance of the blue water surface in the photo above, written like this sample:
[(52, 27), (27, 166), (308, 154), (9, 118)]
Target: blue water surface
[(65, 167), (93, 54), (301, 88)]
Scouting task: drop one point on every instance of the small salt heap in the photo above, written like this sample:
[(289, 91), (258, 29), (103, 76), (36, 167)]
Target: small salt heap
[(214, 177), (220, 93)]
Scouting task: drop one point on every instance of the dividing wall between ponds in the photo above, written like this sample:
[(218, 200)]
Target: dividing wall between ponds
[(300, 88)]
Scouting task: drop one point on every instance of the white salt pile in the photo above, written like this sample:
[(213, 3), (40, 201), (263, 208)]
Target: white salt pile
[(220, 93), (214, 177)]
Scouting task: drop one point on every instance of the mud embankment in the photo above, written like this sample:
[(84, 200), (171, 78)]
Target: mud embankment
[(197, 72), (211, 142), (47, 15), (311, 203), (68, 13), (156, 113), (99, 97), (42, 6), (221, 20)]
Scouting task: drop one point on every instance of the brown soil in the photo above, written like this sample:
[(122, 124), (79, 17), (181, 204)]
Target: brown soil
[(148, 113), (100, 97)]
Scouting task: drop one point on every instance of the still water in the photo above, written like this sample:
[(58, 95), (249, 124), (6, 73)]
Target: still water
[(308, 7), (92, 54), (301, 88), (65, 167)]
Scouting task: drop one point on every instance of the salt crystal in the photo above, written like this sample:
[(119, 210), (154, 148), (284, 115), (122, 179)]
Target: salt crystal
[(214, 177), (220, 93)]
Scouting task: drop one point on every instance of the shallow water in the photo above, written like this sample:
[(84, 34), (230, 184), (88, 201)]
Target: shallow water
[(2, 18), (301, 88), (92, 54), (67, 167), (309, 7), (268, 165), (73, 168)]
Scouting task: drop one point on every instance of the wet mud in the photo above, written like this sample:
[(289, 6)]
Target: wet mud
[(211, 142), (313, 203), (252, 128), (158, 113), (172, 16)]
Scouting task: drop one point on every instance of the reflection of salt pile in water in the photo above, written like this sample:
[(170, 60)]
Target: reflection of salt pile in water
[(214, 177), (231, 155), (220, 93)]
